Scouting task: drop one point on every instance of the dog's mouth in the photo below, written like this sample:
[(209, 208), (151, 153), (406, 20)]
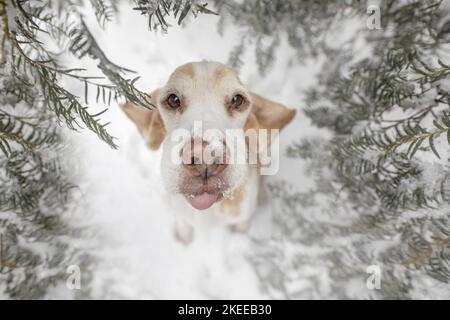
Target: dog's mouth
[(203, 193), (203, 200)]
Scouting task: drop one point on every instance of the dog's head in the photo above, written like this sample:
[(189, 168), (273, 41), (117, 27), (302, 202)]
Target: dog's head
[(197, 108)]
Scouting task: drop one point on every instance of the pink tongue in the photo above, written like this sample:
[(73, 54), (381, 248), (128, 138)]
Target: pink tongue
[(203, 201)]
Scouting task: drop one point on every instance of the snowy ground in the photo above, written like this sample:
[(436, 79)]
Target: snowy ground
[(123, 202)]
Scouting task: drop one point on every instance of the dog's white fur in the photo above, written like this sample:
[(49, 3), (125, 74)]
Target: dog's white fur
[(204, 87)]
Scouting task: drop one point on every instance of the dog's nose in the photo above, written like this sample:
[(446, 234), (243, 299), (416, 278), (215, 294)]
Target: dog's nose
[(202, 160)]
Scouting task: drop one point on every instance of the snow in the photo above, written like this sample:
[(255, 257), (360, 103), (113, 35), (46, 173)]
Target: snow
[(122, 201)]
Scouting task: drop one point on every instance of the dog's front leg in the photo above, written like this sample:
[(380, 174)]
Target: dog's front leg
[(183, 231), (241, 227)]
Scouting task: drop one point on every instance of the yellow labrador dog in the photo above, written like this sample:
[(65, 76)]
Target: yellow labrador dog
[(202, 120)]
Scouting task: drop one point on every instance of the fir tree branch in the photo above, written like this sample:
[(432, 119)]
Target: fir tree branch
[(61, 101), (5, 27)]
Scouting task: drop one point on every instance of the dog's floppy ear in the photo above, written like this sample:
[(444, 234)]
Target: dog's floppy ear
[(267, 115), (271, 115), (148, 122)]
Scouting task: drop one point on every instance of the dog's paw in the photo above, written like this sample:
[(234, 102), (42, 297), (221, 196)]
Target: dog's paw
[(241, 227), (184, 233)]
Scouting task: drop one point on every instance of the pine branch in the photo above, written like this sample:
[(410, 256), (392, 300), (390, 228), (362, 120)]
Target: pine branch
[(65, 104), (83, 44), (158, 10), (104, 10), (5, 29)]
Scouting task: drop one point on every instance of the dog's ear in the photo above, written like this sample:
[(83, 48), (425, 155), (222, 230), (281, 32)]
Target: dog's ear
[(148, 122), (271, 115), (267, 115)]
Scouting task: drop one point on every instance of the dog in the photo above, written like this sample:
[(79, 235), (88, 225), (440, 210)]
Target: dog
[(210, 94)]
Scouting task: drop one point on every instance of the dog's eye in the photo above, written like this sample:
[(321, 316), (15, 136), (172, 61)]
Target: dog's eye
[(173, 101), (237, 101)]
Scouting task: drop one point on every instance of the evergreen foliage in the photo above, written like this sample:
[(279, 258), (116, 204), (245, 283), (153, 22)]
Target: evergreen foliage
[(35, 102), (382, 180)]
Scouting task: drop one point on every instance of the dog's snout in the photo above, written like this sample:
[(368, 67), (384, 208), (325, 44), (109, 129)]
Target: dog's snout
[(202, 159), (204, 170)]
